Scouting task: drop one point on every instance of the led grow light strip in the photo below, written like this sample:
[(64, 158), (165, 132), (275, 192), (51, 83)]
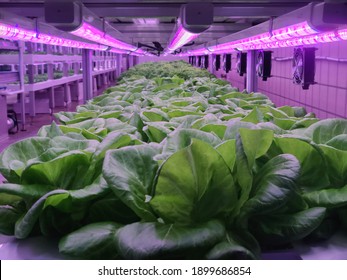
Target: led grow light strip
[(113, 50), (17, 33), (91, 33), (290, 32), (324, 37), (181, 38)]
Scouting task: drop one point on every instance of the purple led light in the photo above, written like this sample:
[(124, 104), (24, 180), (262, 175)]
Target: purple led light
[(181, 38), (342, 34), (91, 33), (113, 50), (253, 42), (296, 30), (198, 52), (309, 37), (324, 37), (16, 33)]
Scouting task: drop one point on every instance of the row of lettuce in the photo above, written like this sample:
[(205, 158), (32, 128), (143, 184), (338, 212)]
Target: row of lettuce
[(177, 167)]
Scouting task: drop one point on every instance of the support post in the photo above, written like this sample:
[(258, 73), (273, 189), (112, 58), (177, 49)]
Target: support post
[(210, 63), (76, 67), (50, 71), (87, 66), (21, 69), (131, 61), (119, 64), (31, 73), (252, 79), (66, 69)]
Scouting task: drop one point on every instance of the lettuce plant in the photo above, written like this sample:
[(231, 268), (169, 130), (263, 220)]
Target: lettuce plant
[(174, 163)]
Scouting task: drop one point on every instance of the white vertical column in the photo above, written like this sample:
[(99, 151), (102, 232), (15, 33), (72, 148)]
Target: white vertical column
[(87, 66), (135, 60), (21, 70), (130, 61), (210, 63), (119, 64), (251, 76)]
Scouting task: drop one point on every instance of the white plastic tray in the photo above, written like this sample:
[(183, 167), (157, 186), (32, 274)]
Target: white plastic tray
[(40, 248)]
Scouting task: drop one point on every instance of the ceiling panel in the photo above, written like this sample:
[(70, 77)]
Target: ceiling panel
[(229, 16)]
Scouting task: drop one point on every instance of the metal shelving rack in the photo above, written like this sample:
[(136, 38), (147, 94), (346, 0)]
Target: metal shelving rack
[(8, 77)]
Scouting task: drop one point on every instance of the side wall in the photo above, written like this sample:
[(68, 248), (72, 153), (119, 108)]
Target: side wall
[(327, 98), (143, 59)]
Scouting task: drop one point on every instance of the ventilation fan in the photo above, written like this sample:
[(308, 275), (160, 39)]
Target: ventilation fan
[(241, 64), (12, 122), (304, 67), (264, 64), (206, 62), (216, 62), (227, 62)]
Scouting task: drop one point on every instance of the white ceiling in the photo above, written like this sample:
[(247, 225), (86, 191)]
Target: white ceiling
[(229, 16)]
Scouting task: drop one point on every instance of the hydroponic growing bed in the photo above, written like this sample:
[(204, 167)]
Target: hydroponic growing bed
[(174, 163)]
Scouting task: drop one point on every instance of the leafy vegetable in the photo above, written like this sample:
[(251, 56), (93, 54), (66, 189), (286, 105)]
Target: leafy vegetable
[(175, 163)]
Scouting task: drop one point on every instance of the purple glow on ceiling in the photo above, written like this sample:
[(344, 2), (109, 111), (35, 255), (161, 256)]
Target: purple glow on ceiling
[(146, 21), (16, 33), (91, 33), (181, 38)]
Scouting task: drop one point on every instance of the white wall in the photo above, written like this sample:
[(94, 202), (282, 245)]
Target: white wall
[(327, 98), (143, 59)]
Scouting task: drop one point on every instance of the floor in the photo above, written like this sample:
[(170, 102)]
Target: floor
[(33, 125)]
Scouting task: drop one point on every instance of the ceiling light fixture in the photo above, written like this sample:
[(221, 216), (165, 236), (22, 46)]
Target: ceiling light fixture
[(195, 18), (284, 31), (92, 33), (16, 33), (181, 38)]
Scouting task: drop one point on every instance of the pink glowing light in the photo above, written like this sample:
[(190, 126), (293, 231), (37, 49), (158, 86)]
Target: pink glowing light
[(324, 37), (253, 42), (91, 33), (181, 38), (202, 51), (16, 33), (7, 31), (342, 33), (113, 50), (309, 37), (292, 31), (138, 52)]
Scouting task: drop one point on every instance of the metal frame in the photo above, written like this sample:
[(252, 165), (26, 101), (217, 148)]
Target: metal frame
[(234, 10), (87, 66), (251, 75)]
